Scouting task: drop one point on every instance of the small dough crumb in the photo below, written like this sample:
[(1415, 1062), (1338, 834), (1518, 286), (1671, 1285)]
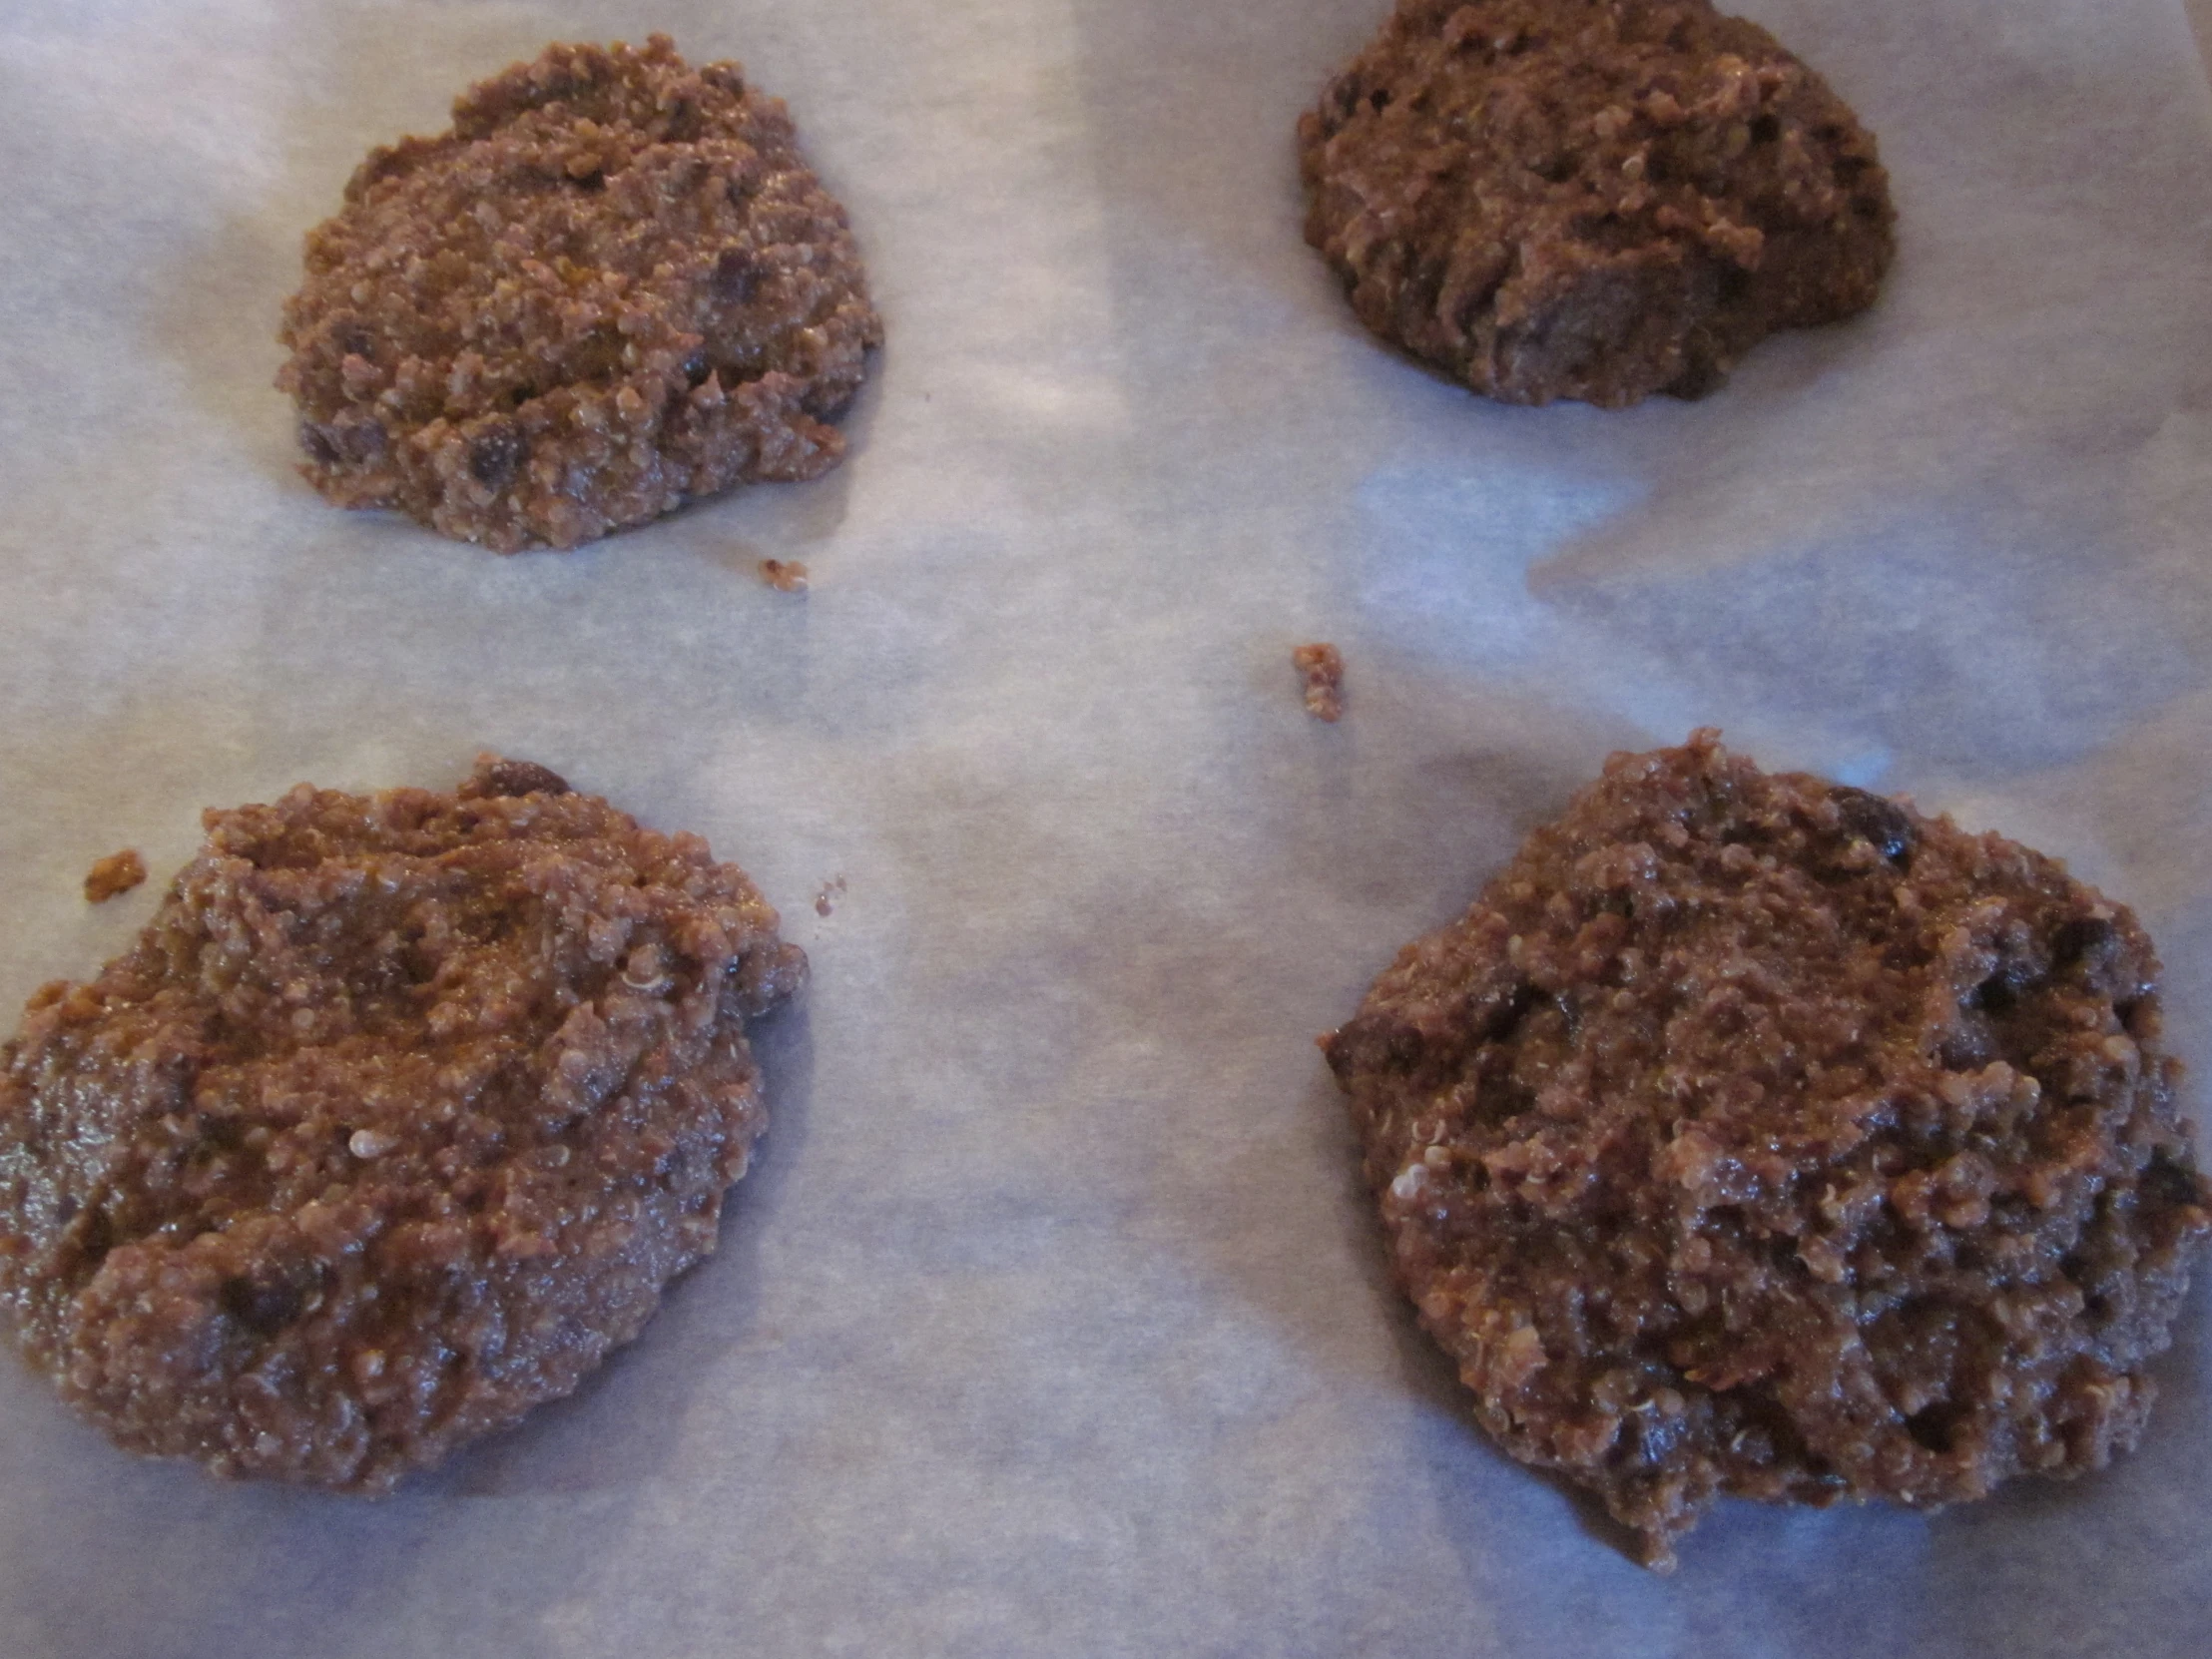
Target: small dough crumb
[(1323, 665), (785, 575), (826, 900), (117, 873)]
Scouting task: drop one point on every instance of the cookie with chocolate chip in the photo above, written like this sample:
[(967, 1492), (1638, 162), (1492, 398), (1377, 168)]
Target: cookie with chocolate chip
[(395, 1122), (1590, 199), (611, 288), (1758, 1135)]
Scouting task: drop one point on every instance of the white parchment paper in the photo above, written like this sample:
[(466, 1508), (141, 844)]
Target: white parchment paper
[(1052, 1320)]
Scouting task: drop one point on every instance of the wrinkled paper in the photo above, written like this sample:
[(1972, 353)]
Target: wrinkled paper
[(1053, 1320)]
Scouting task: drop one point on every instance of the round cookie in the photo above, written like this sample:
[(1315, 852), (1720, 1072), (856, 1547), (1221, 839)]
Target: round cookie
[(611, 288), (1590, 199), (1758, 1135), (394, 1122)]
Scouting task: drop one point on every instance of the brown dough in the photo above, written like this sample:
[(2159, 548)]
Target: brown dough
[(396, 1120), (612, 287), (1757, 1135), (1590, 199)]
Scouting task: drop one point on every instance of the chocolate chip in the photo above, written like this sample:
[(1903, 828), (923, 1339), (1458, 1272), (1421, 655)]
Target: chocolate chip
[(2170, 1185), (684, 122), (1373, 1042), (2081, 937), (1872, 819), (266, 1305), (361, 439), (517, 777), (736, 276), (96, 1236), (496, 455), (1932, 1426), (320, 449)]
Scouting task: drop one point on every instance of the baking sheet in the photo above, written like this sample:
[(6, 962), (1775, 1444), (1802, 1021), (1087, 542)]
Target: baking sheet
[(1053, 1320)]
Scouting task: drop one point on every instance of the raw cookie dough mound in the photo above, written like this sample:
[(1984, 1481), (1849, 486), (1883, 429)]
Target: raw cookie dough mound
[(611, 288), (393, 1124), (1592, 199), (1758, 1135)]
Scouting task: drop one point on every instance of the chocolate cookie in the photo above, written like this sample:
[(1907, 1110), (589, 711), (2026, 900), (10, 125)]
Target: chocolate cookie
[(395, 1121), (1758, 1135), (1591, 199), (612, 287)]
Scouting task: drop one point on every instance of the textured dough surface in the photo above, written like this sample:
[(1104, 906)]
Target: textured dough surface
[(611, 288), (395, 1121), (1590, 199), (1759, 1135)]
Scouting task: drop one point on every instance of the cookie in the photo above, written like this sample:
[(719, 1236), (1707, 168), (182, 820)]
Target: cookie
[(393, 1125), (1759, 1135), (1590, 199), (613, 287)]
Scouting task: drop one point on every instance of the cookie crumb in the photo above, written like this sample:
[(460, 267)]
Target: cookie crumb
[(1323, 665), (117, 873), (826, 900), (784, 575)]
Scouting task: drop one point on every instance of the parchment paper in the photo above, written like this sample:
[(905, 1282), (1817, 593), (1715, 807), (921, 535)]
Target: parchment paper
[(1053, 1320)]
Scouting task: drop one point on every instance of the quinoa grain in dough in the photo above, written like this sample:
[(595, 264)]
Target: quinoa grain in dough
[(611, 288), (395, 1121), (1590, 199), (1758, 1135)]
